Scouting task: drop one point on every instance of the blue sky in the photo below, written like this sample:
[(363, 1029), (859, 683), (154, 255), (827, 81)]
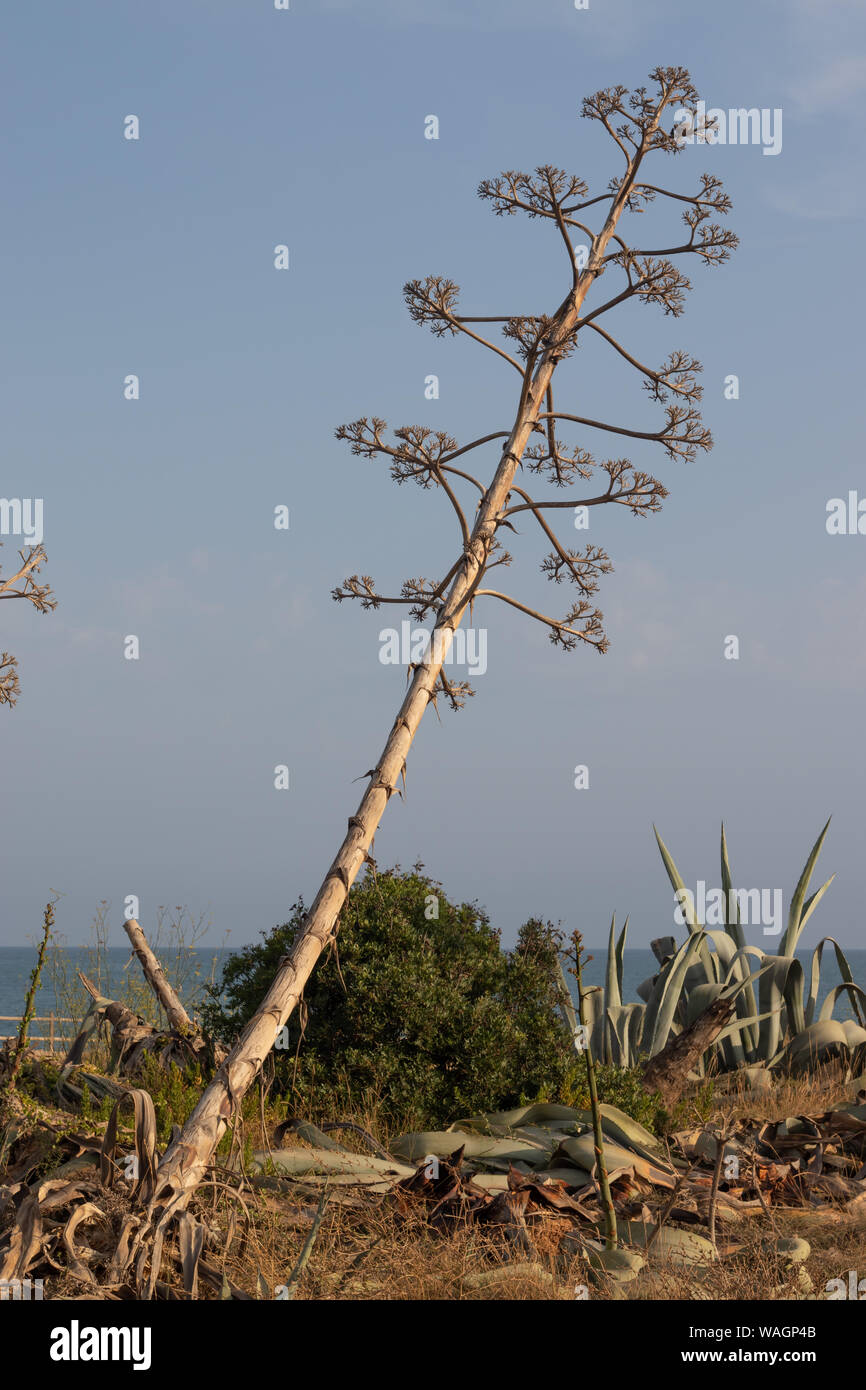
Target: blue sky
[(155, 257)]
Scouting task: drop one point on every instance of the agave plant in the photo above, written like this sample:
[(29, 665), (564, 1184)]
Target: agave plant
[(777, 1028)]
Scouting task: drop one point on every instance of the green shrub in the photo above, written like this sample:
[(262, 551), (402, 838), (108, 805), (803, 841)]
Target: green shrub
[(417, 1003), (622, 1087), (174, 1093)]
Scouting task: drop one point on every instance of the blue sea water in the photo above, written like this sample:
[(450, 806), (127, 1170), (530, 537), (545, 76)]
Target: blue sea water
[(204, 963), (16, 963)]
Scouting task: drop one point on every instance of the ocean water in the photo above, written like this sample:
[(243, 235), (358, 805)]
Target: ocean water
[(194, 967), (200, 965)]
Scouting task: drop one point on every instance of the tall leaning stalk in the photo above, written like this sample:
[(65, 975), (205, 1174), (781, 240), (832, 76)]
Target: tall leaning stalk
[(30, 1002), (598, 1133), (427, 458)]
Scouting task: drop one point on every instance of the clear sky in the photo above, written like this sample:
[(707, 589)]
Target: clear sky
[(155, 257)]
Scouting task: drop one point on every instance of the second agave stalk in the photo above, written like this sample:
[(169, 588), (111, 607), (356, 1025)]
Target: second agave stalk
[(603, 1184)]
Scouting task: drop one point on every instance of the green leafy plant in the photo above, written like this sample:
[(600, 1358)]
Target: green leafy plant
[(174, 1093), (622, 1087), (419, 1004)]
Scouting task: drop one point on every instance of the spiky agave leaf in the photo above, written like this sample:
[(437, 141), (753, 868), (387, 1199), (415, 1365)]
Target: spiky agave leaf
[(812, 903), (732, 903), (829, 1004), (613, 977), (676, 878), (797, 910), (731, 1049), (747, 1005), (738, 1024), (613, 982), (781, 996), (738, 984), (665, 1000), (684, 897), (815, 978), (625, 1025), (751, 1037), (823, 1041)]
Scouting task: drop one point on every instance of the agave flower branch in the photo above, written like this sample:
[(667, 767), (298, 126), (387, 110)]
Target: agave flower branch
[(641, 125), (23, 584)]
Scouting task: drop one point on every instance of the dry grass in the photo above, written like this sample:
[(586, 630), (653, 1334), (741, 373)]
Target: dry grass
[(366, 1249), (371, 1246), (806, 1095)]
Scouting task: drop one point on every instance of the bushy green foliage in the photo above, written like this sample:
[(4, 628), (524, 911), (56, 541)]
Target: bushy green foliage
[(418, 1004), (93, 1114), (174, 1093), (622, 1087)]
